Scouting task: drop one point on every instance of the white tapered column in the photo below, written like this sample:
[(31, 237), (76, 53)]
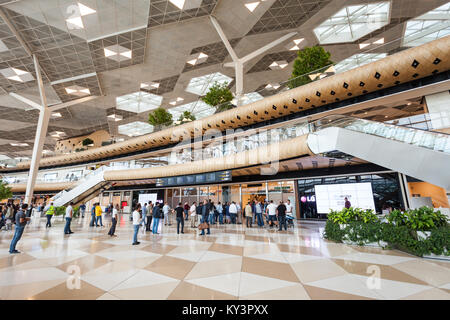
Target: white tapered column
[(41, 133)]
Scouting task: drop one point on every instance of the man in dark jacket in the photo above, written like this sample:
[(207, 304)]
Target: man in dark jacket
[(205, 214), (157, 214)]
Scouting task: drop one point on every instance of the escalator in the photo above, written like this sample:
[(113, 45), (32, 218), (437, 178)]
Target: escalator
[(421, 154)]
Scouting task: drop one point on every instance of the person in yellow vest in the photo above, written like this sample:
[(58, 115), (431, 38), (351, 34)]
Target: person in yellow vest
[(98, 215), (49, 214)]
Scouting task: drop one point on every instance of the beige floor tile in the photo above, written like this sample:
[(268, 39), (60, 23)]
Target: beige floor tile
[(156, 292), (85, 264), (380, 251), (185, 289), (108, 296), (386, 272), (282, 271), (308, 271), (27, 290), (158, 248), (427, 271), (316, 293), (62, 292), (215, 267), (15, 260), (296, 292), (432, 294), (299, 249), (172, 267), (225, 248)]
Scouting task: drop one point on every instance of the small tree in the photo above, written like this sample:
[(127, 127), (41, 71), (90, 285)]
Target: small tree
[(88, 141), (159, 118), (5, 191), (219, 96), (308, 60), (186, 116)]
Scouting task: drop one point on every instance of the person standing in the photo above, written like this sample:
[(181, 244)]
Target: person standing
[(205, 214), (281, 213), (347, 203), (219, 209), (144, 214), (233, 212), (193, 214), (272, 212), (82, 209), (114, 218), (239, 213), (186, 210), (289, 208), (211, 208), (91, 224), (68, 216), (226, 209), (199, 211), (49, 213), (248, 215), (98, 215), (149, 216), (166, 211), (156, 217), (136, 223), (258, 213), (179, 210), (21, 222)]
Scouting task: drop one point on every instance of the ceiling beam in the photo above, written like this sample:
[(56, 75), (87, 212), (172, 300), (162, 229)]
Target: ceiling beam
[(29, 102)]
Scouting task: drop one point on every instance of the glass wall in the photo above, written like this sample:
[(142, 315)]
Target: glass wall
[(385, 188)]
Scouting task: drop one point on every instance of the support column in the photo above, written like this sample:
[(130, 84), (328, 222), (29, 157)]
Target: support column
[(41, 133), (239, 70)]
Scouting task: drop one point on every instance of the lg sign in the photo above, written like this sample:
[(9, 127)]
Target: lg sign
[(308, 199)]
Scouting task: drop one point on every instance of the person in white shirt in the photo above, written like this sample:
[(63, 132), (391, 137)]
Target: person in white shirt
[(193, 214), (272, 211), (166, 210), (136, 223), (68, 216), (114, 218), (289, 208), (233, 210)]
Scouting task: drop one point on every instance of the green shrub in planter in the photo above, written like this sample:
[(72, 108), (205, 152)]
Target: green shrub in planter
[(60, 211), (397, 218), (425, 219)]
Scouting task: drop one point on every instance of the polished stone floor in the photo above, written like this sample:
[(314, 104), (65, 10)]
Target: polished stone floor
[(232, 263)]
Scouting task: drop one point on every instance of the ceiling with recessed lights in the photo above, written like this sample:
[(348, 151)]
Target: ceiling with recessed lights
[(137, 55)]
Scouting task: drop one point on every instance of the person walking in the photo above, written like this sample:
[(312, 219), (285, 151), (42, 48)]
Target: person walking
[(281, 214), (193, 214), (157, 213), (205, 214), (166, 211), (114, 218), (149, 216), (82, 209), (211, 208), (179, 210), (233, 212), (248, 215), (49, 213), (21, 222), (136, 223), (347, 203), (98, 215), (272, 212), (289, 208), (226, 208), (199, 211), (68, 216), (91, 224)]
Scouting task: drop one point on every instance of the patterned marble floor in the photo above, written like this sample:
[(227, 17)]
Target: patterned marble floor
[(232, 263)]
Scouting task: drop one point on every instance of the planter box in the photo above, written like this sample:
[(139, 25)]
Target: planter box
[(423, 235), (433, 256), (379, 244)]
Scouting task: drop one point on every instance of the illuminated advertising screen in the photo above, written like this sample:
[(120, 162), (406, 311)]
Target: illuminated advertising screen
[(331, 196)]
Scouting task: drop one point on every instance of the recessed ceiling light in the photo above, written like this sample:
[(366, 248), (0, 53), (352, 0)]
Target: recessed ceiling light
[(379, 41), (56, 115), (115, 117), (175, 101), (363, 45), (276, 65), (75, 21), (178, 3), (197, 58), (297, 41), (117, 53), (17, 74), (19, 144), (272, 86), (138, 102), (150, 85), (252, 5), (84, 10), (78, 91)]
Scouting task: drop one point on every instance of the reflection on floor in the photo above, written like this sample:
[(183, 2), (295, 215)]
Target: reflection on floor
[(232, 263)]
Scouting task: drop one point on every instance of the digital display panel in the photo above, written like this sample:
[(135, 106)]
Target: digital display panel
[(332, 196), (195, 179)]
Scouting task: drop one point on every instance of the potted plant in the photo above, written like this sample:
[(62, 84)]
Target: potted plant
[(308, 59), (185, 117), (160, 118), (219, 96), (5, 191)]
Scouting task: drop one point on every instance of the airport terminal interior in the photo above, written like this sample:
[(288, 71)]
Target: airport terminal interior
[(224, 149)]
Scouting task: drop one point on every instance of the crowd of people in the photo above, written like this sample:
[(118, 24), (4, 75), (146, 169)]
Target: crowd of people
[(152, 216)]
